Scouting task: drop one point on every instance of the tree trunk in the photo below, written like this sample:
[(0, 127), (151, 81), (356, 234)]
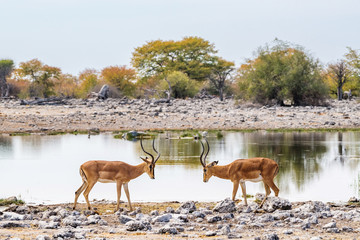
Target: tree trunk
[(221, 94), (170, 90), (2, 87), (339, 93)]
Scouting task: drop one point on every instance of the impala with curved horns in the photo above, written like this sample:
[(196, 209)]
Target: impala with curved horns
[(241, 170), (114, 172)]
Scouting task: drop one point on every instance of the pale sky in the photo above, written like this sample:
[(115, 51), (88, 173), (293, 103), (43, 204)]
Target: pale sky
[(78, 34)]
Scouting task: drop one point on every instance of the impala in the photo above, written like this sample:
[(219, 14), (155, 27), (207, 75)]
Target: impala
[(114, 172), (241, 170)]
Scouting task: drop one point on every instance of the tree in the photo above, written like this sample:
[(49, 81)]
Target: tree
[(191, 55), (41, 76), (352, 59), (6, 68), (65, 85), (220, 71), (88, 79), (121, 77), (339, 73), (282, 72)]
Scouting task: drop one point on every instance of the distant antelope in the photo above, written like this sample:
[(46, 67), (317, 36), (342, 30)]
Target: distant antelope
[(241, 170), (114, 172)]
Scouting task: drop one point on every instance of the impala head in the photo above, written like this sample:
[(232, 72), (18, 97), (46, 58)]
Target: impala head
[(207, 168), (150, 163)]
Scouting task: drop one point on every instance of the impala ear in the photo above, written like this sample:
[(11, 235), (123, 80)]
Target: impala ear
[(213, 163), (145, 159)]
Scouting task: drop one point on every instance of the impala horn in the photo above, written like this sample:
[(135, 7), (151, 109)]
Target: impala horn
[(203, 160), (158, 154), (142, 147)]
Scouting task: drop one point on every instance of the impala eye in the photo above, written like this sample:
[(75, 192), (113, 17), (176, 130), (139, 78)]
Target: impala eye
[(150, 167), (205, 170)]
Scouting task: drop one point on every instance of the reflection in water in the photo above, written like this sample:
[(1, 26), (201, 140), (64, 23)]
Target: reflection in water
[(313, 165)]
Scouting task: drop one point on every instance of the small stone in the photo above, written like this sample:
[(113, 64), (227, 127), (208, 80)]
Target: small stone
[(272, 236), (154, 213), (42, 237), (210, 233), (330, 225), (288, 231), (213, 219)]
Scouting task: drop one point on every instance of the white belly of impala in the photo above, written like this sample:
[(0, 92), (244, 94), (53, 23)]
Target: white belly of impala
[(105, 180), (258, 179)]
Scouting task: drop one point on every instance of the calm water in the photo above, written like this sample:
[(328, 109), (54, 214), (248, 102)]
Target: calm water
[(313, 166)]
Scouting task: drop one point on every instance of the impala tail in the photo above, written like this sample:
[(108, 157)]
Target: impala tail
[(83, 175)]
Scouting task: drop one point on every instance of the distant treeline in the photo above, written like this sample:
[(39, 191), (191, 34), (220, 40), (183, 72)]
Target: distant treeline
[(279, 72)]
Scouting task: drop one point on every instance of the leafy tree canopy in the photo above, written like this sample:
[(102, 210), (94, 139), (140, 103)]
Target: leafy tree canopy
[(282, 72), (121, 77), (42, 77), (191, 55)]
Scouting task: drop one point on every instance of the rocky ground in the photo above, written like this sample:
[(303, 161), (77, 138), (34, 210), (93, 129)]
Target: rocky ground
[(125, 114), (278, 219)]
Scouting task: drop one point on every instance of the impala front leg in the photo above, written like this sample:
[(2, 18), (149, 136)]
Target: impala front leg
[(235, 189), (126, 188), (118, 189)]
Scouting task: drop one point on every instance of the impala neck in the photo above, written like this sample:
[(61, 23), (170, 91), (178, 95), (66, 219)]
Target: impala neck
[(137, 170), (221, 172)]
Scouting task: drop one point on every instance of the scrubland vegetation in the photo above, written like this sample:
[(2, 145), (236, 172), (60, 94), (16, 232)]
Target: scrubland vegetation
[(278, 73)]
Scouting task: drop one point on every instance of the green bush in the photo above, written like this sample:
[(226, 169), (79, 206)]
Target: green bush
[(181, 85), (280, 73)]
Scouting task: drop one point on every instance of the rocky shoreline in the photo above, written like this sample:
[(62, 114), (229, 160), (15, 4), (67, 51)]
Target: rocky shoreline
[(140, 114), (278, 219)]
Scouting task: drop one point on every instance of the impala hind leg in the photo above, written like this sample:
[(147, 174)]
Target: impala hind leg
[(118, 189), (269, 184), (78, 192), (87, 191), (126, 188), (243, 189), (267, 193)]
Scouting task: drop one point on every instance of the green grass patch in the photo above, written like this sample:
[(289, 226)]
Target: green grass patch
[(186, 134), (134, 135), (219, 135), (118, 136), (56, 133), (79, 132), (248, 196), (6, 202), (20, 134), (313, 130)]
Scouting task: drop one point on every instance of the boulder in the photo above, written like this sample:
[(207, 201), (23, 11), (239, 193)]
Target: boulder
[(225, 206), (13, 216), (189, 206), (168, 229), (163, 218), (134, 226), (124, 219), (273, 203)]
